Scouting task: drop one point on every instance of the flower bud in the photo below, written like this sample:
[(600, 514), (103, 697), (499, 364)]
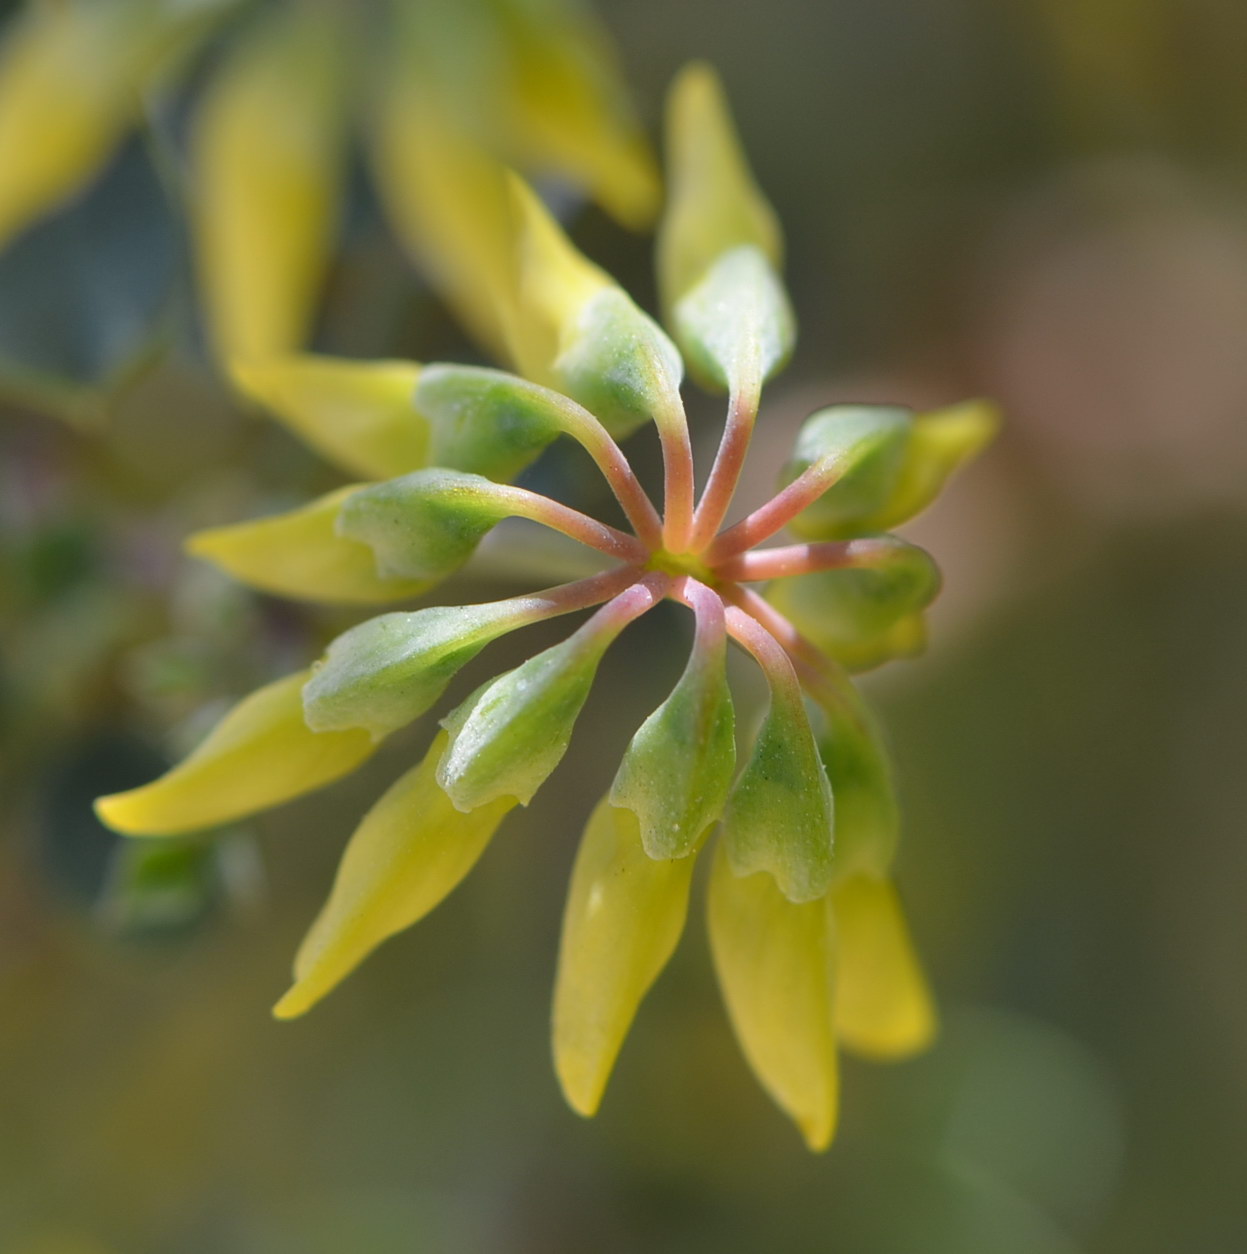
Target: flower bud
[(862, 615), (387, 671), (302, 554), (779, 816)]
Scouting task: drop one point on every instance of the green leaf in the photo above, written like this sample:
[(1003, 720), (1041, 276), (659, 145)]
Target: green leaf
[(426, 524), (509, 735), (736, 321), (389, 670), (779, 816), (677, 772), (867, 443), (486, 421), (864, 615)]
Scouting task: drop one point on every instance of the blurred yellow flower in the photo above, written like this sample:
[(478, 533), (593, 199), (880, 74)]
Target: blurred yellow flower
[(292, 85), (807, 935)]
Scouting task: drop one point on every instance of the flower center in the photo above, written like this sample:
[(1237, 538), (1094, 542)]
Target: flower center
[(681, 564)]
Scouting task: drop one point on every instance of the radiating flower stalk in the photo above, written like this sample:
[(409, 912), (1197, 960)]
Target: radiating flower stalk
[(807, 936)]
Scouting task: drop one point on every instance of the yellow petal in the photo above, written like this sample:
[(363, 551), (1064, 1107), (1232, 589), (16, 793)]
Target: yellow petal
[(358, 414), (713, 202), (625, 912), (553, 283), (941, 441), (266, 158), (412, 848), (883, 1008), (260, 754), (773, 960), (446, 200), (563, 108), (69, 89), (300, 554)]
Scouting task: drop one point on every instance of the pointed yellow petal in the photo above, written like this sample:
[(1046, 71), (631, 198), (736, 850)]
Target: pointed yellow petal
[(564, 109), (714, 205), (446, 201), (554, 282), (259, 755), (625, 912), (69, 89), (883, 1008), (773, 960), (266, 158), (412, 848), (300, 554), (942, 440), (358, 414)]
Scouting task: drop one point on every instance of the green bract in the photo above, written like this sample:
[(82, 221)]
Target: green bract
[(389, 670), (807, 934), (779, 816), (426, 524), (677, 772), (507, 738)]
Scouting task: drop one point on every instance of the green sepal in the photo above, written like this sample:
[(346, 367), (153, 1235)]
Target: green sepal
[(868, 444), (779, 817), (857, 761), (864, 615), (677, 772), (391, 669), (511, 733), (618, 363), (424, 525), (736, 321), (486, 422)]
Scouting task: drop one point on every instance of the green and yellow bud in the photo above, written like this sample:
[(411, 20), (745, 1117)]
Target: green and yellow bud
[(508, 736), (411, 850), (676, 774), (389, 670), (866, 614), (359, 414), (624, 915), (303, 554), (775, 962), (862, 449), (940, 442), (487, 422), (427, 524), (261, 754), (856, 759), (883, 1008)]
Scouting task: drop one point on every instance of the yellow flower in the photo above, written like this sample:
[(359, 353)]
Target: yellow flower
[(808, 939)]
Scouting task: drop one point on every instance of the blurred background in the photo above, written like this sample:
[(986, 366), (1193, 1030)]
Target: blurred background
[(1043, 202)]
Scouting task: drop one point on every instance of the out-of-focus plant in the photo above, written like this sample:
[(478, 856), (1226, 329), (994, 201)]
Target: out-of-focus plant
[(286, 87), (807, 934)]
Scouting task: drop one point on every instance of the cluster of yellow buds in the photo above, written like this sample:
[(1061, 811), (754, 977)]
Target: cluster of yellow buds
[(809, 943)]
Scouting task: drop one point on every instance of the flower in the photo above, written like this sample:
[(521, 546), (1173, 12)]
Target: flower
[(807, 934), (270, 134)]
